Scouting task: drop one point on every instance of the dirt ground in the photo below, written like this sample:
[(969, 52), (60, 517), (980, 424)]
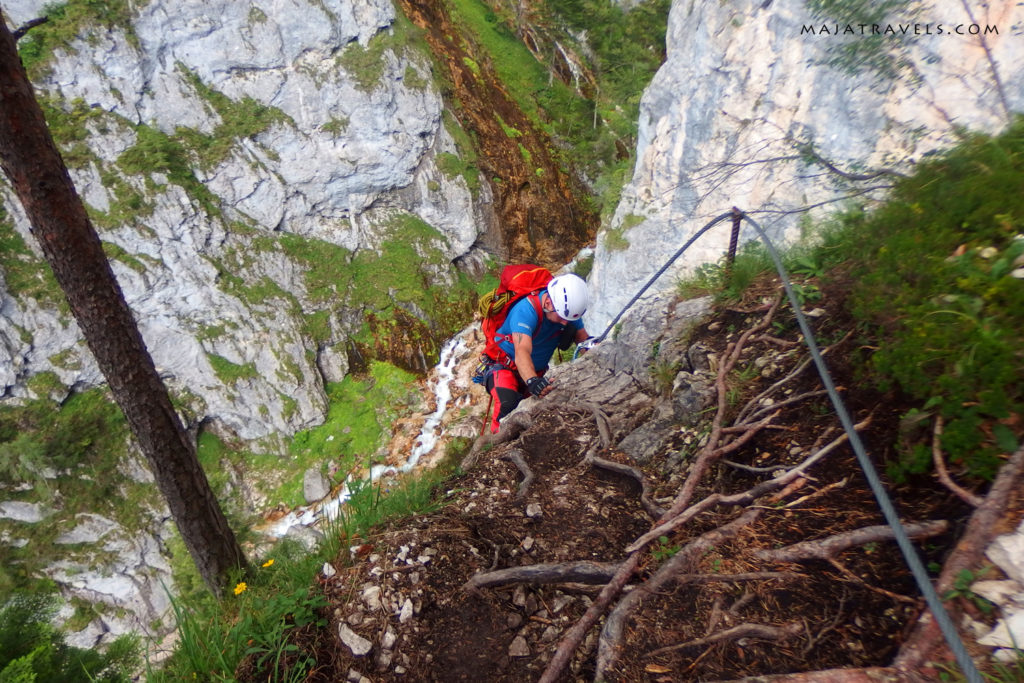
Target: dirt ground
[(726, 614)]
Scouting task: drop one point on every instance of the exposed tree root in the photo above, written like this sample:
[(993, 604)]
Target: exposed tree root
[(742, 498), (761, 631), (603, 426), (564, 572), (874, 589), (653, 509), (943, 474), (828, 548), (696, 579), (511, 427), (925, 643), (515, 456), (875, 674), (611, 634)]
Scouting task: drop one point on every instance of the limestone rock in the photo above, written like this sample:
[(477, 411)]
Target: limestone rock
[(315, 486), (360, 646), (744, 83), (518, 647)]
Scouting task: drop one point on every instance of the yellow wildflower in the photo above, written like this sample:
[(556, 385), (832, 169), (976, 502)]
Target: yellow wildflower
[(240, 588), (268, 562)]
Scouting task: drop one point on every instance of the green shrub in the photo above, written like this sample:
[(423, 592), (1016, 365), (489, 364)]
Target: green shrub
[(934, 272), (31, 649)]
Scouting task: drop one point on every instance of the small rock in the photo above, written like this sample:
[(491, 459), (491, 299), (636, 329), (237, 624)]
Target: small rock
[(560, 602), (998, 592), (519, 597), (387, 641), (371, 597), (550, 634), (355, 619), (360, 646), (383, 661), (531, 604), (315, 485), (534, 510), (329, 570), (1007, 632), (400, 670), (424, 559), (414, 578), (527, 543), (519, 648), (406, 613), (515, 620)]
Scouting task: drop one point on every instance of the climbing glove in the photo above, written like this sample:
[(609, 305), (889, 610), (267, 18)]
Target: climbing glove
[(537, 385)]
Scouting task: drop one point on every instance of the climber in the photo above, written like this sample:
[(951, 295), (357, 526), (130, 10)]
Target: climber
[(535, 326)]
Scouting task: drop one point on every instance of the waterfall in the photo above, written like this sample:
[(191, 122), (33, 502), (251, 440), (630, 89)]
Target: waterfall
[(444, 372)]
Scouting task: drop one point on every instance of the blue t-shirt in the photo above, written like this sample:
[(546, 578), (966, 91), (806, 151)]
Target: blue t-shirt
[(523, 318)]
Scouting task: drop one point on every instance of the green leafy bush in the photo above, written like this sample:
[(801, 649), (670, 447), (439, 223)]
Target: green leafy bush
[(31, 649), (938, 284)]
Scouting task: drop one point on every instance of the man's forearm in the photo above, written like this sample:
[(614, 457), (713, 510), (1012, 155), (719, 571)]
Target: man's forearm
[(524, 363)]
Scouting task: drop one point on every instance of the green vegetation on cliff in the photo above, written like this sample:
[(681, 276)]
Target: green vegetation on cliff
[(934, 281), (583, 79)]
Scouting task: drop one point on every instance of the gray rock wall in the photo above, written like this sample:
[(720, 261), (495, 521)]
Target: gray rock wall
[(745, 84), (344, 154)]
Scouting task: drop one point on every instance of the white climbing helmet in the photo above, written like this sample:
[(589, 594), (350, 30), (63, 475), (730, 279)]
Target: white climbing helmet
[(569, 296)]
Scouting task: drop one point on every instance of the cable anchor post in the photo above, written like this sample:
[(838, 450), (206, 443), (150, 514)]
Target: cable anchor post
[(734, 238)]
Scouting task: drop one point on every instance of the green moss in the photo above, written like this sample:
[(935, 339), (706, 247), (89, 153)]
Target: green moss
[(453, 167), (71, 20), (157, 152), (230, 373), (70, 452), (412, 79), (325, 265), (211, 332), (615, 239), (24, 274), (511, 132), (317, 326), (68, 359), (240, 119), (525, 153), (365, 65), (46, 384), (115, 252), (68, 125), (336, 126), (359, 417)]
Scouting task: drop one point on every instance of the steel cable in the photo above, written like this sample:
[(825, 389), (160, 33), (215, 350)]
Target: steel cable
[(917, 569)]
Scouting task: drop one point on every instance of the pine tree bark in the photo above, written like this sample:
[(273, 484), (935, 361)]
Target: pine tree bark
[(72, 248)]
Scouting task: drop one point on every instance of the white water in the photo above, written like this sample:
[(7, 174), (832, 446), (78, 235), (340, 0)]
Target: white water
[(328, 508)]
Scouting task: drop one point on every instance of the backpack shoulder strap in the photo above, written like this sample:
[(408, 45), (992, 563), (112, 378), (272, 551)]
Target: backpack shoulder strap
[(535, 300)]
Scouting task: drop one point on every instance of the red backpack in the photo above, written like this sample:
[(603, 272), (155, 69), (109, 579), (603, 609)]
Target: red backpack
[(514, 283)]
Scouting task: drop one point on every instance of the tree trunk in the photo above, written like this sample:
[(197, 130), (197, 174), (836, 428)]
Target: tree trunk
[(73, 249)]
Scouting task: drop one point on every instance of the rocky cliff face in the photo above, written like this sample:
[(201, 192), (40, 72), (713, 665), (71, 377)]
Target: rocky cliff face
[(777, 109), (225, 152)]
